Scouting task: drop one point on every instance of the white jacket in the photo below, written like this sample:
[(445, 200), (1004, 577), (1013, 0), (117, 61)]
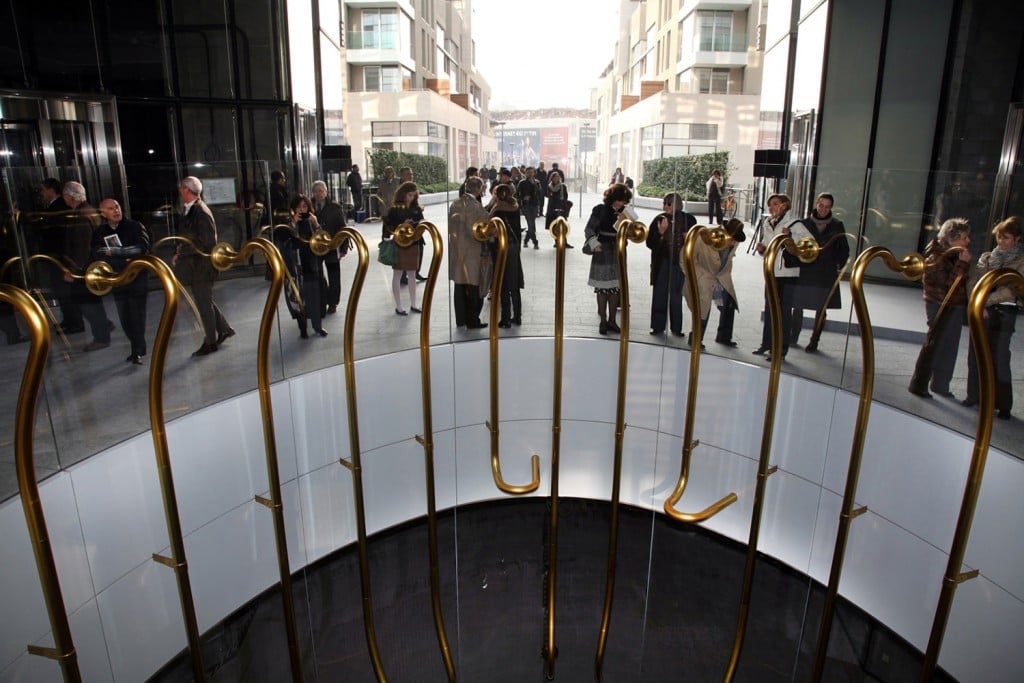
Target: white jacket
[(797, 230)]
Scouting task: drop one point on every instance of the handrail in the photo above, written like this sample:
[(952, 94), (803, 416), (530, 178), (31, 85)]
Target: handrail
[(819, 317), (986, 406), (912, 268), (320, 244), (636, 232), (41, 300), (807, 251), (99, 279), (560, 231), (406, 235), (482, 232), (222, 257), (24, 427), (717, 239)]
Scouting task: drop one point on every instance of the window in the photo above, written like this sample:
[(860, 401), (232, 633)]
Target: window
[(380, 29), (712, 81), (382, 78), (714, 29), (703, 131)]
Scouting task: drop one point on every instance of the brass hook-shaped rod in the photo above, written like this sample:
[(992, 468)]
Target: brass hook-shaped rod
[(38, 294), (24, 426), (406, 234), (636, 232), (483, 231), (222, 257), (100, 278), (986, 406), (912, 268), (356, 467), (560, 231), (717, 239), (807, 250)]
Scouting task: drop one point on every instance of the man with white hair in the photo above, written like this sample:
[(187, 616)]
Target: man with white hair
[(331, 218), (194, 269), (76, 255)]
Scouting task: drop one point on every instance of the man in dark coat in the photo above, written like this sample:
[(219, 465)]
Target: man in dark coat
[(355, 185), (331, 218), (278, 198), (117, 241), (542, 178), (194, 269), (48, 238), (529, 200), (665, 239), (76, 254)]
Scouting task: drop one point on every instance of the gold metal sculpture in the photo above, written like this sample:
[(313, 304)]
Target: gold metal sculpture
[(320, 244), (100, 278), (807, 250), (24, 425), (717, 239), (406, 235), (912, 268), (636, 232), (223, 257), (983, 435), (560, 231), (484, 231)]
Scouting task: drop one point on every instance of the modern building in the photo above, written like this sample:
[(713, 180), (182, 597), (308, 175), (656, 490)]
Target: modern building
[(412, 81), (685, 79)]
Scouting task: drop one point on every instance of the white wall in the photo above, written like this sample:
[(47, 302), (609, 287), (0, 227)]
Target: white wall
[(105, 517)]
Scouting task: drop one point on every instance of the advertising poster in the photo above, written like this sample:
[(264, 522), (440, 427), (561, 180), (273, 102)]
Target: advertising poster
[(528, 146)]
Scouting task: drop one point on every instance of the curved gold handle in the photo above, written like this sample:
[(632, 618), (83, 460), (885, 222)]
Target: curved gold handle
[(24, 427), (819, 318), (38, 294), (223, 257), (983, 435), (406, 234), (177, 238), (626, 231), (560, 232), (484, 231), (99, 277), (717, 239), (911, 267)]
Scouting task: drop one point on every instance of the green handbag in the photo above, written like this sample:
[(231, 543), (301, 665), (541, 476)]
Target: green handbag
[(387, 252)]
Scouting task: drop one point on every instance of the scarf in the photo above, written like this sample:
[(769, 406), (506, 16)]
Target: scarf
[(821, 222), (998, 258)]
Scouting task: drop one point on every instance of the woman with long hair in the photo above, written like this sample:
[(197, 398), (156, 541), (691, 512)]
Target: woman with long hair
[(309, 267), (406, 209), (600, 234)]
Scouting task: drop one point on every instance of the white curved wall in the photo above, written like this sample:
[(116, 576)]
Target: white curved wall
[(105, 514)]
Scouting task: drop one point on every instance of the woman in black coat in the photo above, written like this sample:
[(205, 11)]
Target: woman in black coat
[(506, 208), (309, 267), (816, 278)]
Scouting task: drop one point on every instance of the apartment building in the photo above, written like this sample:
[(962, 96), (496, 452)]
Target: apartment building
[(412, 85), (685, 79)]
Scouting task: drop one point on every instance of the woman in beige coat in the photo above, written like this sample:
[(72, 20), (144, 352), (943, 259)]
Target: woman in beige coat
[(713, 275)]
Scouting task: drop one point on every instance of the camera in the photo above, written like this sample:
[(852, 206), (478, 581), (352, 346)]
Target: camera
[(304, 216)]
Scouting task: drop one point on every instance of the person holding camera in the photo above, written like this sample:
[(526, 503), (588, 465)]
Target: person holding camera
[(600, 233), (308, 267)]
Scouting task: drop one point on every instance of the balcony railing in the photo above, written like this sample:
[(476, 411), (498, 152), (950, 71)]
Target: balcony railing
[(372, 40)]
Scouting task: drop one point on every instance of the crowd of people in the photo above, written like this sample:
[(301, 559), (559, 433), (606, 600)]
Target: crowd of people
[(74, 233)]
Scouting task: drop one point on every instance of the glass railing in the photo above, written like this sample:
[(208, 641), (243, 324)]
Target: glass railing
[(372, 40), (900, 210)]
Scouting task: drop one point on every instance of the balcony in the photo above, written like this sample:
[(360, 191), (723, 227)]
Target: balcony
[(730, 5), (377, 47), (728, 53)]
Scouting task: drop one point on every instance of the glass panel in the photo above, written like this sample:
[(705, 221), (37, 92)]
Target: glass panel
[(258, 43), (201, 49), (133, 49)]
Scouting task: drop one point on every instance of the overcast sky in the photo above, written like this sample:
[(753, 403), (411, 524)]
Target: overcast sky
[(543, 53)]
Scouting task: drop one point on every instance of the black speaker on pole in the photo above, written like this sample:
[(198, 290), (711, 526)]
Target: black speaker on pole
[(336, 158), (771, 163)]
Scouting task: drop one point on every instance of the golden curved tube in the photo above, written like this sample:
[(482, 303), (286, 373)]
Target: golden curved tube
[(177, 238), (24, 425), (912, 268), (636, 232), (986, 406), (560, 232), (223, 257), (99, 278), (807, 250), (483, 231), (717, 239), (819, 317), (355, 465), (405, 235), (38, 294)]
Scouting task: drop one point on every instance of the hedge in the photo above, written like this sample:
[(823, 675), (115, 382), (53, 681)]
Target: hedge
[(427, 170), (686, 175)]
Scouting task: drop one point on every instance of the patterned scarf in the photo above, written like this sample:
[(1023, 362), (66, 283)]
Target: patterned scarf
[(999, 257)]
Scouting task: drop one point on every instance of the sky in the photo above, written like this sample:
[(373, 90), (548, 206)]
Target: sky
[(543, 53)]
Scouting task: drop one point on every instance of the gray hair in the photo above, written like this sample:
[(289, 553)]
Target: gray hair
[(195, 185), (474, 183), (951, 229), (318, 183), (75, 190)]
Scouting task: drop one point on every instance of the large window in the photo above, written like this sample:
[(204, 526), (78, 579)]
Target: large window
[(678, 139), (383, 78), (380, 29), (714, 31), (712, 81)]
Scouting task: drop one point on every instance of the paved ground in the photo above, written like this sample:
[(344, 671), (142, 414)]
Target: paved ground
[(93, 400)]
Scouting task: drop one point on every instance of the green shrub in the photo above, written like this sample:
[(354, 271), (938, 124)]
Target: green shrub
[(426, 170), (686, 175), (438, 187)]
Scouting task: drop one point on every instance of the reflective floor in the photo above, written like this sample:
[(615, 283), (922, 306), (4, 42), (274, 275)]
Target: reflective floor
[(94, 400)]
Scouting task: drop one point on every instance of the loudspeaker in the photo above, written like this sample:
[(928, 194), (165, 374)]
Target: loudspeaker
[(336, 158), (771, 163)]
